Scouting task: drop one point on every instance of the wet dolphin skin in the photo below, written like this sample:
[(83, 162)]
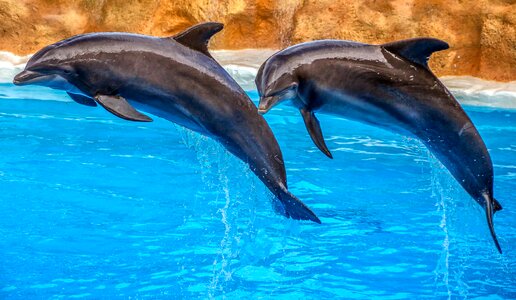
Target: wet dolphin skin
[(173, 78), (389, 86)]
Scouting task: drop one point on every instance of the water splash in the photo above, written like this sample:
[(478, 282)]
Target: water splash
[(238, 218), (221, 264), (233, 186), (449, 273), (442, 271)]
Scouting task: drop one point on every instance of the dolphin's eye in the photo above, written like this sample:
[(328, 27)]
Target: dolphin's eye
[(66, 70)]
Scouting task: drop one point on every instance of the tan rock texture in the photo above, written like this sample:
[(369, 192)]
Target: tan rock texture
[(482, 33)]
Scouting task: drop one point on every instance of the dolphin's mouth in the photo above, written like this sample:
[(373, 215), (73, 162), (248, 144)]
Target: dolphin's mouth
[(263, 108), (27, 77), (266, 103)]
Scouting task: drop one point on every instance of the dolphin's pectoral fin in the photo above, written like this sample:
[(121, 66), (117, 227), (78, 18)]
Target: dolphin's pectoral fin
[(496, 205), (197, 37), (294, 208), (489, 214), (118, 106), (82, 99), (314, 129), (417, 50)]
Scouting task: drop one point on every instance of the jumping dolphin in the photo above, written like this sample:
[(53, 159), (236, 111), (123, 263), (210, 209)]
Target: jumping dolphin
[(390, 86), (173, 78)]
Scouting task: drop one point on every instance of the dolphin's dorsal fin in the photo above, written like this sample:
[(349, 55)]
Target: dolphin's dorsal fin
[(197, 37), (417, 50)]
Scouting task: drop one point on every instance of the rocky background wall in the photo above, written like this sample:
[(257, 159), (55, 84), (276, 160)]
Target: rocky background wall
[(482, 33)]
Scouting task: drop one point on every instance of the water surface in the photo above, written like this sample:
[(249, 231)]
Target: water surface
[(95, 207)]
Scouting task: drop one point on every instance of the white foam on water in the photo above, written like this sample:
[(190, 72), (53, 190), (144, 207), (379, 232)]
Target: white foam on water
[(478, 92), (8, 59), (10, 65), (243, 66)]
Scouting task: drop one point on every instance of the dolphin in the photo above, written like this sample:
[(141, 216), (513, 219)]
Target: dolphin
[(390, 86), (174, 78)]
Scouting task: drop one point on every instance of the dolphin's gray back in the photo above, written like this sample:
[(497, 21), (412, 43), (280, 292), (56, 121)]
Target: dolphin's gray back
[(99, 45), (307, 53), (362, 71), (160, 76), (311, 51), (390, 86), (185, 86), (174, 78), (368, 83)]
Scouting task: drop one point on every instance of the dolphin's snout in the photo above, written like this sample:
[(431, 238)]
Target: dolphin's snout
[(25, 77), (266, 103), (264, 106)]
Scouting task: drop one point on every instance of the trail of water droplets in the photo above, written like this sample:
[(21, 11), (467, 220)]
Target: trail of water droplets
[(448, 275), (220, 171)]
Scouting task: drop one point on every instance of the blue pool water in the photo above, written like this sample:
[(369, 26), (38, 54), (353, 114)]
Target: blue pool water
[(95, 207)]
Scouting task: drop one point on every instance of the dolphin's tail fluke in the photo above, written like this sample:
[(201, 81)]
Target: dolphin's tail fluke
[(490, 210), (294, 208)]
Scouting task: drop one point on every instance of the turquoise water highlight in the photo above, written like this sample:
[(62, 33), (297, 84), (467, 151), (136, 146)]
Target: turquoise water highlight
[(95, 207)]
